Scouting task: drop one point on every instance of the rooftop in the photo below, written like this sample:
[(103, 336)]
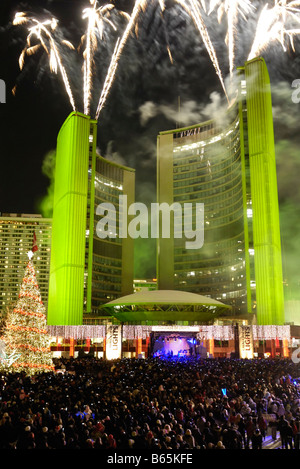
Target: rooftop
[(165, 305)]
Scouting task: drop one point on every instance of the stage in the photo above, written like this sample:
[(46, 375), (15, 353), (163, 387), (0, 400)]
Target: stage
[(177, 345)]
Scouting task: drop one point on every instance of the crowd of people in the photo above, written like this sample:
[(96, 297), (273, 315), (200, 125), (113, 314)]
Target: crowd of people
[(176, 404)]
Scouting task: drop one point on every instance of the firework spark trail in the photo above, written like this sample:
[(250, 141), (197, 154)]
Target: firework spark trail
[(232, 8), (271, 26), (291, 33), (96, 18), (109, 79), (288, 11), (192, 8), (162, 7), (38, 29), (139, 5), (267, 30)]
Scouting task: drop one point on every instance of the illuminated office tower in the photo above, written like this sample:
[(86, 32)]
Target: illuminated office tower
[(84, 270), (109, 262), (228, 165), (16, 240)]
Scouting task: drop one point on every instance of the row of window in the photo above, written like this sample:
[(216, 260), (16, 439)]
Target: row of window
[(112, 172), (231, 179), (212, 292), (217, 154)]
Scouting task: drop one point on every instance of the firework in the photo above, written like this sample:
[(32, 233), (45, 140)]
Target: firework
[(280, 22), (192, 8), (271, 26), (43, 32), (139, 6), (96, 17), (232, 8)]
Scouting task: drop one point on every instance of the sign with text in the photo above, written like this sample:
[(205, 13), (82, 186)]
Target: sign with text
[(113, 342), (246, 342)]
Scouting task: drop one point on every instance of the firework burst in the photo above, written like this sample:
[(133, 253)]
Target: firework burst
[(96, 17), (139, 6), (232, 9), (193, 9), (42, 31), (272, 26), (278, 23)]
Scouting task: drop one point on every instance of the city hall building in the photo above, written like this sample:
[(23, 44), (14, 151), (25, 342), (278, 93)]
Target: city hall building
[(229, 166), (221, 298)]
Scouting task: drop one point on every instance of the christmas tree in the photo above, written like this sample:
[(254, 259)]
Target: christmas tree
[(25, 343)]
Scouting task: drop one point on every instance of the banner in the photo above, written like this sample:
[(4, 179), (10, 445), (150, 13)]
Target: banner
[(113, 342), (246, 341)]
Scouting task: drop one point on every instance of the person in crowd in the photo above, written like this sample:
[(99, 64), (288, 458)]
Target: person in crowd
[(257, 439)]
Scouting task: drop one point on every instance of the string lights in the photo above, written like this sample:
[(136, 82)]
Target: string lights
[(218, 332)]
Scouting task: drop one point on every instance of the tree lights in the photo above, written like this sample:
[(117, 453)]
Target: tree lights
[(25, 335)]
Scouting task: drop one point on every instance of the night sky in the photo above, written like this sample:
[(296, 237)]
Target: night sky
[(145, 98)]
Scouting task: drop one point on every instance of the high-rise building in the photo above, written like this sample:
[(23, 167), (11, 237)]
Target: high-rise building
[(108, 261), (16, 240), (86, 270), (227, 164)]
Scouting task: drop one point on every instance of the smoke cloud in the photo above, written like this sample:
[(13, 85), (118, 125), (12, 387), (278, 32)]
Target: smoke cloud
[(189, 113), (45, 203)]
